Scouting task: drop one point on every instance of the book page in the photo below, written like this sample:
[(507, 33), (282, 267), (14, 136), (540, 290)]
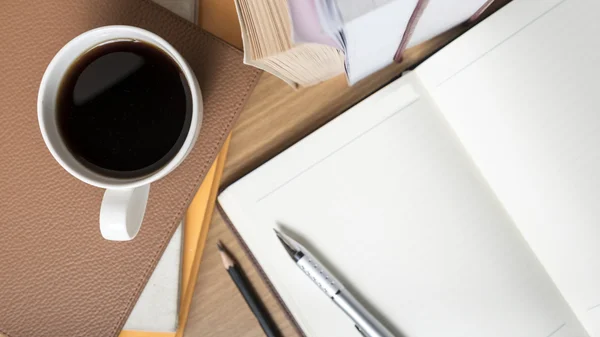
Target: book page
[(351, 9), (372, 39), (521, 92), (441, 15), (388, 199), (306, 26)]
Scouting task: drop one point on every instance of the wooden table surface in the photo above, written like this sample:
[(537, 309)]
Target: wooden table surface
[(275, 117)]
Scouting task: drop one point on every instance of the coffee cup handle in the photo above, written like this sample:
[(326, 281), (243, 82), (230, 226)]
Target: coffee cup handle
[(122, 212)]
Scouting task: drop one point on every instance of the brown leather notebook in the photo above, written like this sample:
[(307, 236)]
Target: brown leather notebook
[(58, 277)]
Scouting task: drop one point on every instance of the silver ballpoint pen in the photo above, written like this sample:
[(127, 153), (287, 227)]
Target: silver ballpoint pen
[(365, 323)]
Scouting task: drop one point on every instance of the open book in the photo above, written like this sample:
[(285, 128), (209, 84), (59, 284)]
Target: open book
[(461, 199), (305, 42), (370, 32)]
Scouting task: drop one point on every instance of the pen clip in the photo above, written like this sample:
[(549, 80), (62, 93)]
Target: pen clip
[(361, 332)]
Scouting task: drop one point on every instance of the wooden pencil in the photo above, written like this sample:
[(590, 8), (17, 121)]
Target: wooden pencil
[(247, 291)]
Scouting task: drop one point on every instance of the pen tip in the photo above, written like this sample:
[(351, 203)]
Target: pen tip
[(220, 246), (291, 250), (276, 232)]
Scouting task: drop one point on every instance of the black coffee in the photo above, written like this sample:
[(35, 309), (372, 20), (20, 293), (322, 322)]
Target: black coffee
[(124, 109)]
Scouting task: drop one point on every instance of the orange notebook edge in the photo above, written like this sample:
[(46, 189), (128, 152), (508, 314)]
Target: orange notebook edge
[(197, 221), (189, 292)]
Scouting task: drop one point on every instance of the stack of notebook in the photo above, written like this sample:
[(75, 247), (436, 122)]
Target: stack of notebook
[(163, 306), (305, 42)]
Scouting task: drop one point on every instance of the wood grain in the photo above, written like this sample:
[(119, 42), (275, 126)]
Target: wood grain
[(275, 117), (220, 18)]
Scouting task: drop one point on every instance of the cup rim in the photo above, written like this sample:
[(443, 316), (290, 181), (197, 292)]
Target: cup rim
[(192, 133)]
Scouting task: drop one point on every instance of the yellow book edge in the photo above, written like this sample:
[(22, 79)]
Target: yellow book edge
[(197, 222)]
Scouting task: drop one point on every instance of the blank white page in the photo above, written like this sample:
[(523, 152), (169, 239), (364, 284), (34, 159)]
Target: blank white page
[(387, 197), (157, 308), (352, 9), (372, 39), (441, 15), (521, 92)]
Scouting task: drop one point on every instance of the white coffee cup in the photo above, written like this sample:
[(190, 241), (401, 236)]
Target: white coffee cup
[(124, 202)]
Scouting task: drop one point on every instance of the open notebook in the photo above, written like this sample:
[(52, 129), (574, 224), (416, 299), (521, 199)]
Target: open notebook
[(460, 200)]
